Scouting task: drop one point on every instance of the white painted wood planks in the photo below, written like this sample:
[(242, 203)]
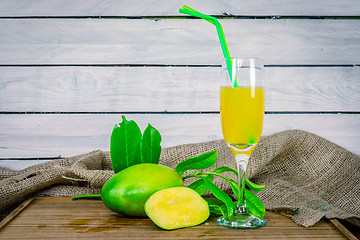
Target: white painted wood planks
[(172, 89), (131, 8), (62, 56), (176, 41), (51, 135)]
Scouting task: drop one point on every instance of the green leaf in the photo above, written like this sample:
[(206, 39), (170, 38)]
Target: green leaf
[(219, 194), (225, 169), (150, 148), (217, 211), (254, 205), (125, 145), (235, 188), (200, 162), (254, 186), (214, 201), (200, 186), (217, 208)]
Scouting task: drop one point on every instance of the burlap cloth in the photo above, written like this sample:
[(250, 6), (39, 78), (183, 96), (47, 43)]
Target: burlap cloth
[(306, 176)]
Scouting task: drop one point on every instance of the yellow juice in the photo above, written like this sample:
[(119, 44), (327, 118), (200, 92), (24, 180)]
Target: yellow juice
[(242, 114)]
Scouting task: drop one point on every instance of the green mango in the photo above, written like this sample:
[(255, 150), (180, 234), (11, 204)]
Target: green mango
[(127, 191)]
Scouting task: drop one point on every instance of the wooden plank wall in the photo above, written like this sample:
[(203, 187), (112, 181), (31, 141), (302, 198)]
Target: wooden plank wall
[(70, 69)]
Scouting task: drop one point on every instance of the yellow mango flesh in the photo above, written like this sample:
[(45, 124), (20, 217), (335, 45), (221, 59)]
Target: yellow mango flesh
[(177, 207)]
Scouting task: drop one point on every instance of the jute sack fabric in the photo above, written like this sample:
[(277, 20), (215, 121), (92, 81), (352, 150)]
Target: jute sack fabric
[(306, 176)]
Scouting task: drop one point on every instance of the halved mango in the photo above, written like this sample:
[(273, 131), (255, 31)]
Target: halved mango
[(177, 207)]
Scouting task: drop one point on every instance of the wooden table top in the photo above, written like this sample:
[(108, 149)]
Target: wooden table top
[(62, 218)]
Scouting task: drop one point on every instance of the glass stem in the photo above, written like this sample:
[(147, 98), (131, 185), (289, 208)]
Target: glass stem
[(242, 154), (241, 163)]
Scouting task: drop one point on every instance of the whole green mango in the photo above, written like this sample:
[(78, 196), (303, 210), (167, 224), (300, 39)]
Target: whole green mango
[(127, 191)]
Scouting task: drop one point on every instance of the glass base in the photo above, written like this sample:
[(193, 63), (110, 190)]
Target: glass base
[(247, 222)]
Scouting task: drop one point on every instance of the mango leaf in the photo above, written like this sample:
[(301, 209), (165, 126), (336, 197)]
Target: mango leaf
[(217, 211), (223, 169), (217, 208), (200, 186), (254, 205), (200, 162), (124, 145), (235, 188), (150, 148), (253, 186), (214, 201), (219, 194)]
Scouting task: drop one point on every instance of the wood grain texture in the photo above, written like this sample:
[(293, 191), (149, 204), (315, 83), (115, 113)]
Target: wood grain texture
[(51, 135), (170, 8), (343, 229), (153, 89), (4, 222), (62, 218), (176, 41)]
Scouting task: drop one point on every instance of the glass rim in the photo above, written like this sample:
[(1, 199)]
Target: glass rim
[(260, 58)]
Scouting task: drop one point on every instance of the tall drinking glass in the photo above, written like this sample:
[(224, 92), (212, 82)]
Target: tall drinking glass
[(242, 111)]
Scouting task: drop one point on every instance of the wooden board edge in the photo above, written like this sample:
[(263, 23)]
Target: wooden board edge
[(343, 229), (15, 213), (52, 197)]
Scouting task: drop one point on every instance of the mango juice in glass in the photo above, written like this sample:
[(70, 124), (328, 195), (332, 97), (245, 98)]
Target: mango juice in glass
[(246, 105), (242, 103)]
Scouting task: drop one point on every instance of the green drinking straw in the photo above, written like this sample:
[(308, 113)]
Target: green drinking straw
[(220, 32)]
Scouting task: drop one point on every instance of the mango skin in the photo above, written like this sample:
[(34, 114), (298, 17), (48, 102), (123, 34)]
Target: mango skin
[(127, 191), (177, 207)]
